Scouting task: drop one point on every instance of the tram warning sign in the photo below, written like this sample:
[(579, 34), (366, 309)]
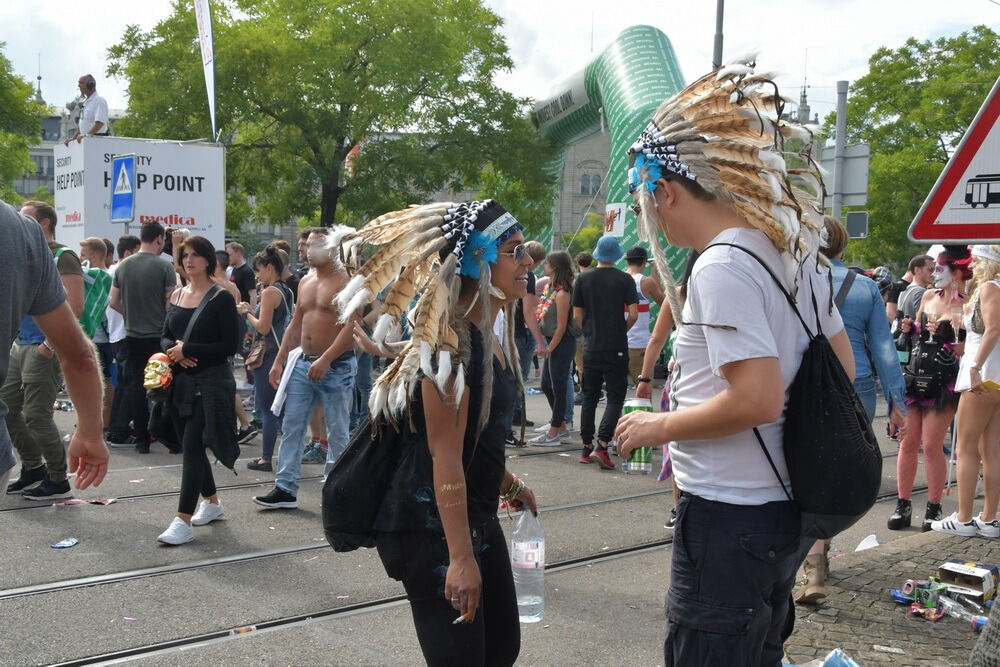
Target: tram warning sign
[(123, 195), (964, 204)]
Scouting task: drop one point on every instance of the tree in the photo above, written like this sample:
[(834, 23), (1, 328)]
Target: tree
[(585, 239), (302, 84), (20, 126), (913, 107)]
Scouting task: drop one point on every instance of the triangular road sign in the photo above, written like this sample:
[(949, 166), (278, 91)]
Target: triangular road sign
[(964, 204), (123, 186)]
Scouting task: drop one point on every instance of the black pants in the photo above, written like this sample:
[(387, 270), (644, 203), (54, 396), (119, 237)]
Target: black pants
[(420, 561), (196, 473), (599, 369), (134, 406), (554, 378)]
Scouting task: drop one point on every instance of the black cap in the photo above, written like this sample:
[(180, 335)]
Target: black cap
[(637, 252)]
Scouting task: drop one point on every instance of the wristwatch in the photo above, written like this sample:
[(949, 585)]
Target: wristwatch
[(976, 366), (644, 379)]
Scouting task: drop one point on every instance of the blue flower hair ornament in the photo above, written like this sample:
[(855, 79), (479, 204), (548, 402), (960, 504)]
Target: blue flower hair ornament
[(480, 246), (645, 171)]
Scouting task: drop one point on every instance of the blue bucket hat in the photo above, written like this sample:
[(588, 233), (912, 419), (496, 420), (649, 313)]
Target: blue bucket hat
[(608, 249)]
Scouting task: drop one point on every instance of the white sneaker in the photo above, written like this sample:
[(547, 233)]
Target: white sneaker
[(546, 440), (207, 513), (544, 428), (952, 526), (178, 532), (987, 528), (569, 427)]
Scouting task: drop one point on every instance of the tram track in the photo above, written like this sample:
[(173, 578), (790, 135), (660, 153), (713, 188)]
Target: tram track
[(177, 568)]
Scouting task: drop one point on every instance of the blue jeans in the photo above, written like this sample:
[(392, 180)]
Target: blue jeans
[(335, 392), (866, 392), (732, 573), (263, 397), (362, 390), (525, 351), (570, 393)]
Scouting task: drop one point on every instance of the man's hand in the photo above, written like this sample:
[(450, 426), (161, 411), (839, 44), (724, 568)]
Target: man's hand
[(274, 377), (541, 350), (644, 390), (318, 369), (88, 458), (45, 350), (640, 429)]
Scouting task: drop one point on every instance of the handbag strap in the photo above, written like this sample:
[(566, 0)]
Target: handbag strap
[(209, 295), (841, 297)]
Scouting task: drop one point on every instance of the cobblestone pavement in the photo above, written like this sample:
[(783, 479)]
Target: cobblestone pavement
[(859, 616)]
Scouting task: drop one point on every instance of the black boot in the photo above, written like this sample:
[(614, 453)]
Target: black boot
[(901, 517), (933, 513)]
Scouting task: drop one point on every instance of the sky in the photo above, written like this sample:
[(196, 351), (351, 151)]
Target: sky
[(821, 40)]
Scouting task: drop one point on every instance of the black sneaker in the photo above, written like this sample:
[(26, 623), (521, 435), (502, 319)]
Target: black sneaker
[(245, 435), (49, 490), (257, 424), (933, 513), (901, 518), (118, 441), (528, 423), (28, 479), (142, 447), (277, 499), (669, 525)]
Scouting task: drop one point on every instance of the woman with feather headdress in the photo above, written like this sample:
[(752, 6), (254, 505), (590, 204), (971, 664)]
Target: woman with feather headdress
[(710, 172), (443, 403)]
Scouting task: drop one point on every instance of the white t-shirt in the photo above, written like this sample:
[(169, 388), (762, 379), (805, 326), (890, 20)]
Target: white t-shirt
[(729, 287), (95, 109), (116, 323)]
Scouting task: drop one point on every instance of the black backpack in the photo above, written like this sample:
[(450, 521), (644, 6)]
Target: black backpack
[(833, 459)]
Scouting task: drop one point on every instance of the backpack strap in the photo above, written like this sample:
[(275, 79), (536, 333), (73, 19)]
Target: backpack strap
[(763, 447), (841, 297), (788, 297)]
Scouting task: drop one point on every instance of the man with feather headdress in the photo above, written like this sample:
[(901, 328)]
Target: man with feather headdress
[(709, 172)]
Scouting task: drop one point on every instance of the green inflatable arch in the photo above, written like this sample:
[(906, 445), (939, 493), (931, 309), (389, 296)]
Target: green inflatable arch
[(624, 84)]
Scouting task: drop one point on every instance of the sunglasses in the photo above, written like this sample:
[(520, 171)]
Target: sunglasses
[(518, 253)]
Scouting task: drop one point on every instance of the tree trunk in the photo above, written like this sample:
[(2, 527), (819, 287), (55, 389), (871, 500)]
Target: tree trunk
[(330, 193)]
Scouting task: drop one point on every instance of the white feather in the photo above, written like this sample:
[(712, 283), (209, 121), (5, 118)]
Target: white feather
[(734, 69), (459, 383), (425, 359), (357, 301), (344, 296), (397, 398), (378, 398), (748, 56), (772, 182), (382, 328), (444, 370), (772, 160)]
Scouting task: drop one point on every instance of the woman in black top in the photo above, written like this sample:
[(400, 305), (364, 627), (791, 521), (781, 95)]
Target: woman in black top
[(274, 309), (201, 401), (442, 405)]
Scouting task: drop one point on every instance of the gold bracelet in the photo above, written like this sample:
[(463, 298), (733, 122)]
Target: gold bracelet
[(514, 490)]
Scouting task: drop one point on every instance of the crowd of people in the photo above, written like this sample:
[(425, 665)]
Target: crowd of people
[(448, 313)]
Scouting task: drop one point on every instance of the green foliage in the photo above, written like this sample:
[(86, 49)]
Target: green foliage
[(45, 195), (20, 126), (913, 107), (585, 240), (301, 83)]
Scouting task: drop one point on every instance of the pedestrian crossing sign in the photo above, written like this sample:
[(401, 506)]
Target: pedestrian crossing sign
[(122, 194)]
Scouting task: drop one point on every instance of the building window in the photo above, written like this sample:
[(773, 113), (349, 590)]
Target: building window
[(595, 184), (585, 184)]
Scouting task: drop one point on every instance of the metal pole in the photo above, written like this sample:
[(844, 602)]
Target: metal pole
[(717, 53), (840, 147)]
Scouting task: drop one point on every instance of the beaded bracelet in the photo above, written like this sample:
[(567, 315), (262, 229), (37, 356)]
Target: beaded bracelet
[(514, 490)]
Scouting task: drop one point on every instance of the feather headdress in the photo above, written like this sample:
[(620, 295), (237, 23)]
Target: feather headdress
[(421, 253), (725, 133)]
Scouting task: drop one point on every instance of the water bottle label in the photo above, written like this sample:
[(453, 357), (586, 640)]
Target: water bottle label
[(528, 555)]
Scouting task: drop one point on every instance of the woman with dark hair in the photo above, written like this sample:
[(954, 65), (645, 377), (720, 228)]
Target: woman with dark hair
[(274, 309), (442, 405), (199, 335), (555, 319), (935, 341)]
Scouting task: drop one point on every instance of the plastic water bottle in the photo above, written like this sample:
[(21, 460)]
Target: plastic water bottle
[(527, 558), (954, 608)]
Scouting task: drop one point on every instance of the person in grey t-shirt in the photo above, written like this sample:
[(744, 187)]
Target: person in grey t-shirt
[(31, 286)]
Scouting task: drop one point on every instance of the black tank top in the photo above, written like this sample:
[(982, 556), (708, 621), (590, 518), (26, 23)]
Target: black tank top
[(409, 504)]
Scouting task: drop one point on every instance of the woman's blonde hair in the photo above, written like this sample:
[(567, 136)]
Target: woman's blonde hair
[(983, 271)]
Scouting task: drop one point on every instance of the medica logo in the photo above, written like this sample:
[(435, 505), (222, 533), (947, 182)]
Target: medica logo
[(171, 220)]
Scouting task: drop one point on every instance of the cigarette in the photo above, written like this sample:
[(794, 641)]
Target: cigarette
[(460, 619)]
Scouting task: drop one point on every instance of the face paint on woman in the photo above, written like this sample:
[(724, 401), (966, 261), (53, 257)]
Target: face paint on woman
[(942, 276)]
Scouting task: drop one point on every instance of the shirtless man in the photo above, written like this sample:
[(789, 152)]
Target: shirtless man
[(320, 354)]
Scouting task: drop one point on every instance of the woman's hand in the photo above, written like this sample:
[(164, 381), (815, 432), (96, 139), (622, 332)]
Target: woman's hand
[(243, 308), (176, 353), (640, 429), (906, 326), (976, 383), (463, 585), (364, 341), (525, 497), (541, 350)]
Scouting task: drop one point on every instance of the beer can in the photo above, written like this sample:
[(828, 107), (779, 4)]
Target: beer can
[(641, 458)]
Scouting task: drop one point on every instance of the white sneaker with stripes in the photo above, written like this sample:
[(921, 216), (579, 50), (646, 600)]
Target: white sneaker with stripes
[(951, 524), (987, 528)]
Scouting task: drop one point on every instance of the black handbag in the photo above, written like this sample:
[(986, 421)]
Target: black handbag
[(833, 459), (355, 487)]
